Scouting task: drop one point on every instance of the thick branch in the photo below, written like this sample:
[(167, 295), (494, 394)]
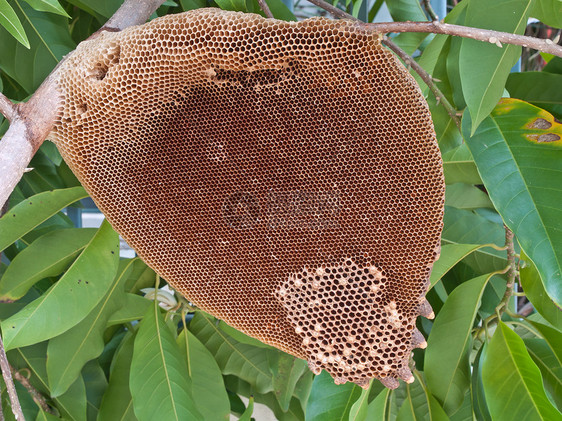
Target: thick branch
[(131, 12), (7, 107), (486, 35)]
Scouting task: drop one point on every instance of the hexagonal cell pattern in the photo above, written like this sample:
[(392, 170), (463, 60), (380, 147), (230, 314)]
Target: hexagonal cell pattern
[(283, 176)]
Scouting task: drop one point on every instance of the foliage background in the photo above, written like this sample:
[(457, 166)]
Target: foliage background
[(77, 327)]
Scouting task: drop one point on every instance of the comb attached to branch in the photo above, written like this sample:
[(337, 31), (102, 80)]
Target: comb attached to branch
[(283, 176)]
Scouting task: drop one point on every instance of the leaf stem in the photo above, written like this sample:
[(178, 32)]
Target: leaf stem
[(37, 397), (9, 381)]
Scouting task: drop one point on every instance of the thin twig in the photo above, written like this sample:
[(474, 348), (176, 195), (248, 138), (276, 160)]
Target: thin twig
[(265, 8), (429, 10), (426, 77), (511, 273), (486, 35), (38, 398), (7, 375), (7, 107), (131, 12)]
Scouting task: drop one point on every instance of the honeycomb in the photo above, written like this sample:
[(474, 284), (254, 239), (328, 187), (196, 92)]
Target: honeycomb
[(284, 177)]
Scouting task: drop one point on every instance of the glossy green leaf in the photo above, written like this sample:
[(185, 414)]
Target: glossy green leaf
[(420, 405), (552, 337), (477, 391), (469, 227), (72, 404), (69, 352), (377, 409), (451, 254), (52, 6), (241, 337), (96, 385), (446, 364), (484, 67), (329, 401), (358, 411), (459, 167), (466, 196), (134, 308), (538, 88), (105, 8), (248, 362), (286, 371), (49, 40), (117, 403), (234, 5), (45, 416), (70, 300), (535, 292), (47, 256), (512, 382), (28, 214), (518, 150), (158, 379), (280, 10), (550, 368), (10, 21), (207, 385), (247, 415), (548, 12)]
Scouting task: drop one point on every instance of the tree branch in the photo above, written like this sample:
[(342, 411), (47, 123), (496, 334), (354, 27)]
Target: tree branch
[(486, 35), (511, 273), (7, 374), (131, 13), (7, 107), (426, 77), (265, 8), (429, 10), (35, 394)]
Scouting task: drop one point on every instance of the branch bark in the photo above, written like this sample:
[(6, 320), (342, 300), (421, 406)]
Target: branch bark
[(7, 107), (265, 8), (485, 35), (7, 374), (131, 13)]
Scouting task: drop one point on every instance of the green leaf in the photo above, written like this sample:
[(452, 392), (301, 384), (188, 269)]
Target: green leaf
[(47, 256), (459, 167), (234, 5), (280, 10), (535, 292), (52, 6), (133, 308), (446, 364), (360, 407), (521, 168), (478, 398), (70, 300), (105, 8), (466, 196), (28, 214), (10, 21), (451, 254), (248, 362), (45, 416), (241, 337), (420, 405), (69, 352), (117, 403), (552, 337), (548, 364), (538, 88), (329, 401), (247, 415), (468, 227), (49, 39), (484, 67), (512, 382), (158, 380), (377, 409), (207, 385), (286, 371), (96, 385), (548, 12)]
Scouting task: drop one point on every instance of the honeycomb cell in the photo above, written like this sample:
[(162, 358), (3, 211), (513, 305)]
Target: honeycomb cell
[(283, 176)]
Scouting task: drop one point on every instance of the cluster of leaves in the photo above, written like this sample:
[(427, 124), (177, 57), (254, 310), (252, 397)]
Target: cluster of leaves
[(76, 326)]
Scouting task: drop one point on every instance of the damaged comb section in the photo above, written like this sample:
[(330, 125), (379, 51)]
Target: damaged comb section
[(283, 176)]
